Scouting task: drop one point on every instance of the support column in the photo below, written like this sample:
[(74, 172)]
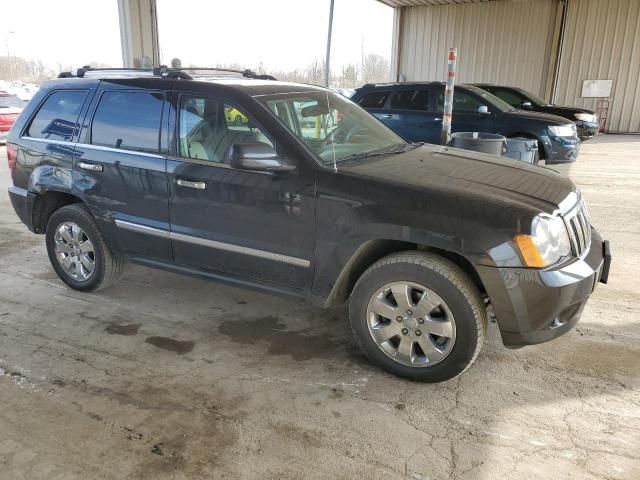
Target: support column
[(139, 33)]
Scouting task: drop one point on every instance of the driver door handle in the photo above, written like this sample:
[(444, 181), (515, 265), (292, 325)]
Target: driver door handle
[(190, 184), (386, 116)]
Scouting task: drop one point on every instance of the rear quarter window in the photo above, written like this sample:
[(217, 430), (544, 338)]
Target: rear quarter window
[(373, 100), (57, 118), (128, 120)]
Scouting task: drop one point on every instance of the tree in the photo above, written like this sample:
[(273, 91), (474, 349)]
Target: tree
[(375, 68)]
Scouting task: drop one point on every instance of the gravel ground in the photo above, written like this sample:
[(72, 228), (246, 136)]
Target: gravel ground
[(164, 376)]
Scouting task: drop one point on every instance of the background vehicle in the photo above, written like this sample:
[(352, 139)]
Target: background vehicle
[(417, 239), (414, 111), (10, 108), (586, 120), (235, 116)]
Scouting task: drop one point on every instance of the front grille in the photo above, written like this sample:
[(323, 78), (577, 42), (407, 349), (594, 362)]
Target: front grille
[(579, 228)]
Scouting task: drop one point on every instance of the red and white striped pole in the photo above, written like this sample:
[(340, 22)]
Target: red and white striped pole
[(448, 96)]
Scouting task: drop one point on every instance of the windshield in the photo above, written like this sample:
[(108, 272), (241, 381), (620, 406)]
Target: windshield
[(491, 99), (537, 101), (334, 128), (10, 101)]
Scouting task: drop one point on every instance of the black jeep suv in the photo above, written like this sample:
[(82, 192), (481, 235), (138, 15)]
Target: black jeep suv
[(422, 241)]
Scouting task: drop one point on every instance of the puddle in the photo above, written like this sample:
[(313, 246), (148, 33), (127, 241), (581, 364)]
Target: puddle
[(300, 345), (131, 329), (177, 346)]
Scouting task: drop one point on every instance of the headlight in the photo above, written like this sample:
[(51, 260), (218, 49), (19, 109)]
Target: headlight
[(548, 242), (563, 130), (586, 117)]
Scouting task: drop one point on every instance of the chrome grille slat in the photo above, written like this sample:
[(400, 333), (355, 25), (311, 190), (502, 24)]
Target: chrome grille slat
[(579, 229)]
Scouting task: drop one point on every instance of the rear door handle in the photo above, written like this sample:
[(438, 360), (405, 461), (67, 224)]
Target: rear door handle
[(92, 167), (190, 184), (386, 116)]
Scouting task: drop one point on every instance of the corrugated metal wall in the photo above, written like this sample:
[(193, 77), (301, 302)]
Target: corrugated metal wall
[(507, 42), (602, 42)]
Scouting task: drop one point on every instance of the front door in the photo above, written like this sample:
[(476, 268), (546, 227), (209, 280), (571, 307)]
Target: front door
[(466, 117), (248, 224)]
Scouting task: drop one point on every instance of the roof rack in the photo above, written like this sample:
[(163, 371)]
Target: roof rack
[(164, 72)]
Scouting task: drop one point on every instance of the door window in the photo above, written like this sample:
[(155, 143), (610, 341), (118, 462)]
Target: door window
[(209, 127), (57, 119), (512, 98), (128, 120), (462, 102), (410, 100), (373, 100)]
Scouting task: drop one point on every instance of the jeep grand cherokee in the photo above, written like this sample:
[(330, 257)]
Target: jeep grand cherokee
[(422, 241)]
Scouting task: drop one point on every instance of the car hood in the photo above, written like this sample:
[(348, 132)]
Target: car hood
[(471, 174), (543, 117), (562, 110)]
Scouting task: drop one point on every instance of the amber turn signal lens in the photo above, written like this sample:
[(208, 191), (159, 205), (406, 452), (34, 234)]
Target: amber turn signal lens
[(529, 251)]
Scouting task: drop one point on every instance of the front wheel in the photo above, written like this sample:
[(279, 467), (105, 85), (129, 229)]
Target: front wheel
[(78, 252), (419, 316)]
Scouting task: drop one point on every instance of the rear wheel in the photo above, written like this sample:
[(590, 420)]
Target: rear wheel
[(78, 252), (418, 316)]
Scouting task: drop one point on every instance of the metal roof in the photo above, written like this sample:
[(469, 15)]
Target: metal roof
[(418, 3)]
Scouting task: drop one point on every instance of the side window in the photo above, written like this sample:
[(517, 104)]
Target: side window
[(58, 116), (410, 100), (462, 102), (373, 100), (128, 120), (512, 98), (209, 127)]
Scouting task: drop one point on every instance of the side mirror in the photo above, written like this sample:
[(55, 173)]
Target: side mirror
[(526, 105), (257, 156), (483, 109)]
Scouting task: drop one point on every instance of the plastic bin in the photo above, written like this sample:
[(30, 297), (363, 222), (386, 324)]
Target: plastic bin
[(480, 142), (523, 149)]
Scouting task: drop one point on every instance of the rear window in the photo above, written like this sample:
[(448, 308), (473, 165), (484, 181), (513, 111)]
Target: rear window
[(373, 100), (128, 120), (410, 100), (10, 101), (57, 118)]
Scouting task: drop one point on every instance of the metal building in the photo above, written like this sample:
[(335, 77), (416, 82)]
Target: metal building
[(549, 47)]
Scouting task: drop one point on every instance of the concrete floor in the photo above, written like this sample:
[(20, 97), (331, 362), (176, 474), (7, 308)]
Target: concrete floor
[(165, 376)]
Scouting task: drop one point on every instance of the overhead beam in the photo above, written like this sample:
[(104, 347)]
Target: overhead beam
[(139, 33)]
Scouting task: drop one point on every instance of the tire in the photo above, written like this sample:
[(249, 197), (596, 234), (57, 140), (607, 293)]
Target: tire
[(107, 266), (459, 315)]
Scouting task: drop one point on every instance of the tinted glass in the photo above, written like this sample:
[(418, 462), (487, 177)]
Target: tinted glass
[(58, 116), (373, 100), (512, 97), (410, 100), (128, 120), (209, 127), (464, 102)]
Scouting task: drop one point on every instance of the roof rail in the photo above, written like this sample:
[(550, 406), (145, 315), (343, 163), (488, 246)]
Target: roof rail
[(245, 73), (164, 72)]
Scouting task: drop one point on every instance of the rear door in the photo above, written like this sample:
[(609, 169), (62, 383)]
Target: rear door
[(377, 103), (417, 121), (250, 225), (119, 168)]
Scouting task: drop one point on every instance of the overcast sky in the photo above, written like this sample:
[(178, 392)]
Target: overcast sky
[(283, 34)]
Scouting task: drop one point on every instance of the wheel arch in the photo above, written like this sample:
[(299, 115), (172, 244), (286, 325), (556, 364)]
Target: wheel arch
[(373, 250), (48, 202)]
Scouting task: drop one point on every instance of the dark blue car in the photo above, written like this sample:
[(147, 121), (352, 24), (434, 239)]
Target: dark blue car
[(414, 111)]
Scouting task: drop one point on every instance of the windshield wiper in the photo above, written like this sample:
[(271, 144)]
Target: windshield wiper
[(392, 150)]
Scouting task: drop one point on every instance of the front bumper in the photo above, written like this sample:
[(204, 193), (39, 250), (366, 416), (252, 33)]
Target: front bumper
[(561, 149), (535, 306), (587, 130)]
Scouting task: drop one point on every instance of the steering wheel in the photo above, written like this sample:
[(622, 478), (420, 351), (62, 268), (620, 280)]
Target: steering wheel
[(352, 131)]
